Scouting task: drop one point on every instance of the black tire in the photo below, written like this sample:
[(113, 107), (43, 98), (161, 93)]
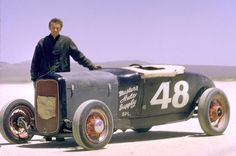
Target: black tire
[(92, 125), (142, 130), (9, 115), (213, 111)]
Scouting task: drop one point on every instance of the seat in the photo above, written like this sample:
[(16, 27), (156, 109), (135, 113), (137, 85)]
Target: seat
[(150, 71)]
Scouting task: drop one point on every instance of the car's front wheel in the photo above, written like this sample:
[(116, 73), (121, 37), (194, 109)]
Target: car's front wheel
[(213, 111), (15, 117), (92, 125)]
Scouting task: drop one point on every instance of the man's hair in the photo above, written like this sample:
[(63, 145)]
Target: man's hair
[(56, 20)]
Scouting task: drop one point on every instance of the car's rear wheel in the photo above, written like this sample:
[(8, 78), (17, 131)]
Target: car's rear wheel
[(92, 125), (213, 111), (142, 130), (15, 117)]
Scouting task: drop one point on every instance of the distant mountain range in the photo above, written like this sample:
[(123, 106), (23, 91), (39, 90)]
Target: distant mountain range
[(20, 72)]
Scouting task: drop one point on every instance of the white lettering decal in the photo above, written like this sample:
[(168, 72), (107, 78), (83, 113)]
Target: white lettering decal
[(129, 90), (128, 98), (125, 114), (129, 105)]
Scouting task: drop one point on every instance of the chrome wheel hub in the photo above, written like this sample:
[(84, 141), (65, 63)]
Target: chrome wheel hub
[(99, 126)]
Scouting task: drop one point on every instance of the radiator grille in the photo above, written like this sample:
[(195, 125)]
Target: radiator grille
[(47, 106)]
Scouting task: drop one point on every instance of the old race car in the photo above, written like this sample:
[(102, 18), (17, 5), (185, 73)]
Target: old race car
[(90, 105)]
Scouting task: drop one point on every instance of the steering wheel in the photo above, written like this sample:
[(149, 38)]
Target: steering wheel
[(136, 65)]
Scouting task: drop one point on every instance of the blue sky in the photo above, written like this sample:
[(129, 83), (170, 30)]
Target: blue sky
[(201, 32)]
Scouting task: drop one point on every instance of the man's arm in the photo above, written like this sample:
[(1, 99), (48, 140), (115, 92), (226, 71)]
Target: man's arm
[(79, 57)]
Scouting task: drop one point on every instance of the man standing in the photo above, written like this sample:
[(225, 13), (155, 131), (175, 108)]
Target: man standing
[(52, 53)]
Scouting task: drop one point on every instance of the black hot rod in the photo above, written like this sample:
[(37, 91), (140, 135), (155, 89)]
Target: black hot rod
[(90, 105)]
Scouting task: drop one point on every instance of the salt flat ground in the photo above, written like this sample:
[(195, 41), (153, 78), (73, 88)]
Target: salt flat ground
[(183, 138)]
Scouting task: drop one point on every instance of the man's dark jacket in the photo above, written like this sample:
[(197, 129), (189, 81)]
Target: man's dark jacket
[(53, 55)]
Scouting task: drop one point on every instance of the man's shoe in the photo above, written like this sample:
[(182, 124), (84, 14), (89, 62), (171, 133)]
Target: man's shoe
[(44, 139), (60, 139)]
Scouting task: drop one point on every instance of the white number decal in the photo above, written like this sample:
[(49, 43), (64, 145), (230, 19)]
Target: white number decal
[(181, 90), (165, 100), (180, 97)]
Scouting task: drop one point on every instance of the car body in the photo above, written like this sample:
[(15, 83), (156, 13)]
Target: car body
[(91, 105)]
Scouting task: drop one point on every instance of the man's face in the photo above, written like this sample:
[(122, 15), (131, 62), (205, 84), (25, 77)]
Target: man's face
[(55, 29)]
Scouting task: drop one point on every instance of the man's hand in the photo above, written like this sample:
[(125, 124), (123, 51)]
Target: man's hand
[(34, 83), (97, 67)]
